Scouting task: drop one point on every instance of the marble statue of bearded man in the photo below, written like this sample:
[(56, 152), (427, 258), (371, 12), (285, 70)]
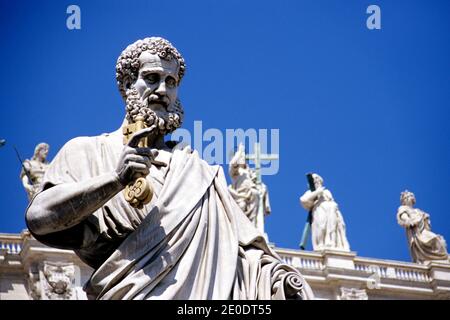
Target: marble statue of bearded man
[(191, 241)]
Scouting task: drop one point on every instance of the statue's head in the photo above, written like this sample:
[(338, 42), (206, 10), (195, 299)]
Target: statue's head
[(148, 74), (241, 156), (41, 152), (318, 181), (407, 198)]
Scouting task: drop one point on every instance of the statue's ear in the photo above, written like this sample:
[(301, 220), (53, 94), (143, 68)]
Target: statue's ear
[(126, 83)]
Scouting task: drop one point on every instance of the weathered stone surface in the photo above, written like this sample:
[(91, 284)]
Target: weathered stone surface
[(328, 227), (190, 230), (329, 278), (424, 245)]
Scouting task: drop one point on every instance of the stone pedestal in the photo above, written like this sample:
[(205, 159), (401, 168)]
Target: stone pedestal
[(338, 259), (440, 275)]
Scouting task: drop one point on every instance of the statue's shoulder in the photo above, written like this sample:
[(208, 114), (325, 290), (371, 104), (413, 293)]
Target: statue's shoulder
[(80, 145), (79, 142), (27, 164), (182, 151), (411, 213), (307, 193), (403, 209)]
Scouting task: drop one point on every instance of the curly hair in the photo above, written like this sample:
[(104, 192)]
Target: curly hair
[(127, 66)]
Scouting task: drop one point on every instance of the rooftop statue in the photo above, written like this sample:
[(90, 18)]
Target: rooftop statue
[(327, 225), (424, 244), (33, 170), (246, 190)]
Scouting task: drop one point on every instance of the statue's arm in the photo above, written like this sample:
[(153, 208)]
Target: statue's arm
[(26, 183), (267, 208), (308, 199), (232, 191), (65, 205), (405, 217), (68, 204), (24, 177)]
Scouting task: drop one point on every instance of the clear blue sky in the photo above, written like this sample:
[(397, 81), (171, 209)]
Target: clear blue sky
[(368, 110)]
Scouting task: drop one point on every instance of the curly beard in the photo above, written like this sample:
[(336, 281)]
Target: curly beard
[(166, 122)]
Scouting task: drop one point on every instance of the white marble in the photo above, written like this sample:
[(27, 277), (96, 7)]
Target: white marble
[(191, 241), (424, 244), (21, 268), (246, 191), (327, 227), (33, 170)]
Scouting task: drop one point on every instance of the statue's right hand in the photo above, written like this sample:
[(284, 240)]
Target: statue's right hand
[(135, 161), (320, 190)]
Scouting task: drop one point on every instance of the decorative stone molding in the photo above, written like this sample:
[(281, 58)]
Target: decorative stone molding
[(36, 271), (58, 280), (353, 294), (34, 285), (329, 271)]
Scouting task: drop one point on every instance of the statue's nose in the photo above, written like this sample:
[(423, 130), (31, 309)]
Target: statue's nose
[(161, 88)]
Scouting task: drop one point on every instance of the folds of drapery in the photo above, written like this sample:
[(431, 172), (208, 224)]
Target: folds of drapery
[(194, 242), (424, 244)]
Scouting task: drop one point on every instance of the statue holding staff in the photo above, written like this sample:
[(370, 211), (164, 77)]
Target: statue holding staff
[(327, 226), (33, 170)]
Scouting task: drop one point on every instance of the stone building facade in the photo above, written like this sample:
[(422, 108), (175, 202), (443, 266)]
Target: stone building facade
[(30, 270)]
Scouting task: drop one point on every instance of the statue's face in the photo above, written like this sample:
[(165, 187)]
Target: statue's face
[(157, 82), (43, 152), (409, 200), (317, 181)]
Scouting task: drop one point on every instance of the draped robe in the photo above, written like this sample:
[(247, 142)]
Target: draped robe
[(328, 227), (192, 241), (424, 244)]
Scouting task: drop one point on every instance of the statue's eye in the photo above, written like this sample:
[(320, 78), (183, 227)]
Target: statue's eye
[(152, 78), (170, 82)]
